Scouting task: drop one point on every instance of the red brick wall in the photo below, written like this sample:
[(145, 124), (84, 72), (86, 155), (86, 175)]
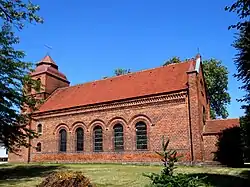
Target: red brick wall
[(166, 118), (52, 83), (210, 146)]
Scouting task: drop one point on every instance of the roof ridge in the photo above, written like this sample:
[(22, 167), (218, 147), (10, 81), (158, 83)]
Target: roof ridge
[(131, 73)]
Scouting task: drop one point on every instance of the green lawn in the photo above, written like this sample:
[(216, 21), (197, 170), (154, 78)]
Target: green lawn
[(115, 175)]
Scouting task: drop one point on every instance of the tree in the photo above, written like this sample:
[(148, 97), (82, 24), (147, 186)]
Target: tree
[(242, 62), (216, 77), (174, 60), (121, 71), (242, 9), (14, 131)]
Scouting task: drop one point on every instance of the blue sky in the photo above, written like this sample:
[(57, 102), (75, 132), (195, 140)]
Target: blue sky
[(91, 38)]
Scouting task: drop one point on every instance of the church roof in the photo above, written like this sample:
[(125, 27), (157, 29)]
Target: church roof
[(143, 83)]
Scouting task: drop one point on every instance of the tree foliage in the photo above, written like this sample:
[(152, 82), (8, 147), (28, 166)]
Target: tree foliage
[(121, 71), (216, 78), (14, 74), (242, 62), (242, 9), (174, 60)]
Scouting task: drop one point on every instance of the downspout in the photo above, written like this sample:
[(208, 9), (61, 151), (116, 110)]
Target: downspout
[(190, 127)]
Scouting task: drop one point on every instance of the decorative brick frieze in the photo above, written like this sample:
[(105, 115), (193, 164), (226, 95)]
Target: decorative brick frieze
[(174, 98)]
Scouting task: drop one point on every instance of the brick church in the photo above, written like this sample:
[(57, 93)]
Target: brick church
[(123, 118)]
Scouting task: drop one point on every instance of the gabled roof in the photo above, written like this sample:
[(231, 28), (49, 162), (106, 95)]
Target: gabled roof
[(218, 125), (143, 83)]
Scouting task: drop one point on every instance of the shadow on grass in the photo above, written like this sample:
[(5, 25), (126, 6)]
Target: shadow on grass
[(26, 171), (224, 180)]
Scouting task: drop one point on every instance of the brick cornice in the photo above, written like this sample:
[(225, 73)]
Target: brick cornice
[(177, 98)]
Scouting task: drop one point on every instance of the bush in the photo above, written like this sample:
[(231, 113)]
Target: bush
[(167, 178), (66, 179), (179, 180)]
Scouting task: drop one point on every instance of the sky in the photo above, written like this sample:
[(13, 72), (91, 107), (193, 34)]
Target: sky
[(92, 38)]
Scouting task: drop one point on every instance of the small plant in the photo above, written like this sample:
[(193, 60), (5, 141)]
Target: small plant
[(167, 178), (168, 157), (66, 179)]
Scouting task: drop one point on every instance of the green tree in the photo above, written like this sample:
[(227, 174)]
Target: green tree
[(242, 9), (174, 60), (14, 75), (216, 77), (121, 71), (242, 62)]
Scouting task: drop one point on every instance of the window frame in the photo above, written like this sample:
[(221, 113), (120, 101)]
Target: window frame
[(38, 128), (82, 140), (95, 129), (39, 147), (116, 149), (61, 142), (137, 145)]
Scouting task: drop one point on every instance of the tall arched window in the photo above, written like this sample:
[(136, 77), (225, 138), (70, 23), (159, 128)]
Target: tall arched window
[(38, 147), (118, 138), (141, 135), (79, 139), (63, 140), (98, 139), (39, 128)]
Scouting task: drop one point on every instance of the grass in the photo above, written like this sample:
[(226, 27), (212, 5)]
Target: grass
[(117, 175)]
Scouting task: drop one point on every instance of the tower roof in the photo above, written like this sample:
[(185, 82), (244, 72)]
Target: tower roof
[(48, 65), (47, 60)]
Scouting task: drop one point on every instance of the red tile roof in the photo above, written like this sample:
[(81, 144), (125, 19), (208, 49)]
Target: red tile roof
[(218, 125), (148, 82)]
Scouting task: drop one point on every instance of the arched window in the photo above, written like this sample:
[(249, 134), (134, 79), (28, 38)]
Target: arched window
[(98, 139), (38, 147), (79, 139), (39, 128), (118, 137), (63, 140), (141, 135)]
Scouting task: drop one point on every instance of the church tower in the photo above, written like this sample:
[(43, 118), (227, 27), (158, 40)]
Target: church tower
[(51, 78)]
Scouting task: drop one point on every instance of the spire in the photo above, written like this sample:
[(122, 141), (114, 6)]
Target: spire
[(47, 60)]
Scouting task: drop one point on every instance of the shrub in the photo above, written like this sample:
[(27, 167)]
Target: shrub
[(66, 179), (167, 178)]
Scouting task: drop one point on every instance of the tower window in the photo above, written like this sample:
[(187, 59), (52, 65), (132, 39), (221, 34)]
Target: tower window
[(39, 147), (98, 144), (118, 138), (141, 135), (63, 140), (39, 128)]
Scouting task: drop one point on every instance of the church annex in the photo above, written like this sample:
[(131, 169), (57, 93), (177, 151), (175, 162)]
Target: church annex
[(123, 118)]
